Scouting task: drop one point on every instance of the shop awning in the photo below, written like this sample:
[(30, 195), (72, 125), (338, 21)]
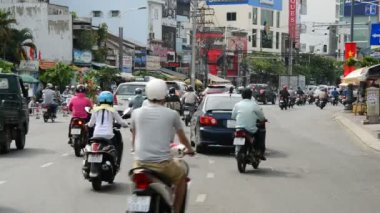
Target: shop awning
[(177, 75), (217, 80), (373, 72), (356, 76)]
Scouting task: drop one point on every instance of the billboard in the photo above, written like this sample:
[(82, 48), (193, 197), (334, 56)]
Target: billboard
[(153, 62), (361, 8), (140, 59), (169, 15), (82, 57), (375, 35), (270, 4), (183, 8), (127, 64), (169, 37)]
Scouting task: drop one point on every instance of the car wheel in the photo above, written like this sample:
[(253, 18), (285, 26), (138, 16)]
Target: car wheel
[(5, 142), (20, 139), (199, 148)]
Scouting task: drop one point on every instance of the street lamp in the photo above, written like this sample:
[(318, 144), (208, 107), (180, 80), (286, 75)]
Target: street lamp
[(121, 39)]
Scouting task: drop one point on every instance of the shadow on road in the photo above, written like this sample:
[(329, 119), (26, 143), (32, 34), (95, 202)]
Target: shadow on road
[(116, 188), (26, 153), (269, 172), (271, 153), (8, 210)]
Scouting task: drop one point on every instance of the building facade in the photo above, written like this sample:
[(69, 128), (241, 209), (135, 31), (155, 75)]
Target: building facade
[(50, 25)]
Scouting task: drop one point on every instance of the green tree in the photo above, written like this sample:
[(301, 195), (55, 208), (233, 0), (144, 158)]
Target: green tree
[(100, 54), (5, 30), (5, 67), (105, 76), (60, 75), (86, 40)]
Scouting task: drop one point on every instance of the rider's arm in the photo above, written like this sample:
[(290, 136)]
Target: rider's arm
[(234, 112), (119, 120), (132, 127), (259, 112), (92, 121)]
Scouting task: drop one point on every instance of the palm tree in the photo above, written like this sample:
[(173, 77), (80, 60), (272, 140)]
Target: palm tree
[(5, 29)]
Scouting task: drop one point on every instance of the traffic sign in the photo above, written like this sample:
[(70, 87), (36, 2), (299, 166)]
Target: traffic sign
[(375, 35)]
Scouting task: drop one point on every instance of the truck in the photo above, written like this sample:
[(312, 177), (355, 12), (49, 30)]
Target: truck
[(14, 113)]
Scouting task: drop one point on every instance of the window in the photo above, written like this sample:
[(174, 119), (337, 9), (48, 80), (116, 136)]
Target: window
[(96, 13), (303, 7), (325, 48), (254, 38), (277, 40), (278, 19), (115, 13), (231, 16), (254, 16), (267, 17), (266, 39), (155, 14)]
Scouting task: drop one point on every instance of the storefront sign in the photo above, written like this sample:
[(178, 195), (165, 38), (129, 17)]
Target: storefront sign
[(153, 62), (29, 65), (292, 19), (270, 2), (82, 57), (211, 2)]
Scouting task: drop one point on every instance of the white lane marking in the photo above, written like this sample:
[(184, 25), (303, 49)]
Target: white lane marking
[(201, 198), (65, 154), (210, 175), (47, 164), (2, 182), (211, 161)]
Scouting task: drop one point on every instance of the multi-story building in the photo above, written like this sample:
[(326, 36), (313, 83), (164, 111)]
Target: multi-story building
[(49, 24), (318, 33), (264, 21)]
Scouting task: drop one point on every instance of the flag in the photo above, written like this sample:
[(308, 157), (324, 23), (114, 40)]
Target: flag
[(350, 52), (31, 53)]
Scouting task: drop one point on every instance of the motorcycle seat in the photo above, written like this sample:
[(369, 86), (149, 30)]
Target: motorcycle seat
[(104, 140), (157, 175)]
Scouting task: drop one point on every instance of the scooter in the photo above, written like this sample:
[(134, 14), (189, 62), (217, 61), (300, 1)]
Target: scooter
[(47, 113), (245, 152), (78, 135), (153, 193), (283, 104), (188, 111)]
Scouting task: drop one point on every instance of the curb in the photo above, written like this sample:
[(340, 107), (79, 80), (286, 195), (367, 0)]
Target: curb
[(364, 136)]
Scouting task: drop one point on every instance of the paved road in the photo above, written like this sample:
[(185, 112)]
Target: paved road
[(314, 165)]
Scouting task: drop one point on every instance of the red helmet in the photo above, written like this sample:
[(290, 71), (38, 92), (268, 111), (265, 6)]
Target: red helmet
[(285, 87)]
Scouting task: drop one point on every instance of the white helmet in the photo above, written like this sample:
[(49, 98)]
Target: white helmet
[(156, 89)]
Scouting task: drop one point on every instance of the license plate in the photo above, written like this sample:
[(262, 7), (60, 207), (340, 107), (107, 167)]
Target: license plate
[(75, 131), (231, 124), (138, 203), (239, 141), (95, 158), (186, 112)]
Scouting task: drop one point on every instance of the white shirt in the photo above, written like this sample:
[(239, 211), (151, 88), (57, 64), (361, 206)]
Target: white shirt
[(104, 123)]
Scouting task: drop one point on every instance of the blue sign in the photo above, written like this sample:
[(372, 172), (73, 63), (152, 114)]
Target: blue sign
[(269, 4), (361, 8), (375, 35)]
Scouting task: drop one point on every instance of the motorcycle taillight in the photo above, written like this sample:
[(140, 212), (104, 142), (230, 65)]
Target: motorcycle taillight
[(77, 123), (240, 134), (95, 147), (141, 180)]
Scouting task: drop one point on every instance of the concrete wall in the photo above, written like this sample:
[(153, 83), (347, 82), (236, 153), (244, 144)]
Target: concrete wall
[(134, 22), (51, 27), (155, 20)]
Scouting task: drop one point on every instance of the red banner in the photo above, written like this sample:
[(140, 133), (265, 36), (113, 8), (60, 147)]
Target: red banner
[(292, 19), (350, 52)]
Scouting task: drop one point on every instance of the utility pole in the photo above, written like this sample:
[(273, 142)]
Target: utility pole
[(193, 42), (352, 21), (121, 49), (291, 57)]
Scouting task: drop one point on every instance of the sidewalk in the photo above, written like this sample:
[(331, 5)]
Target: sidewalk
[(366, 133)]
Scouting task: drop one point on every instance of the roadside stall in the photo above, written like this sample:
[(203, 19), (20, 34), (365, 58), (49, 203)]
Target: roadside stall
[(357, 79)]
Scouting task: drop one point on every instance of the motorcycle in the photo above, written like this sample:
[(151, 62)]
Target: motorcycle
[(101, 158), (283, 104), (334, 101), (310, 99), (188, 111), (292, 101), (153, 193), (245, 152), (78, 135), (47, 113), (322, 103)]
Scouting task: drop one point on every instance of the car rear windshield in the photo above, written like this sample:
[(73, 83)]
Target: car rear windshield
[(221, 102), (129, 89), (172, 84), (215, 89), (4, 83)]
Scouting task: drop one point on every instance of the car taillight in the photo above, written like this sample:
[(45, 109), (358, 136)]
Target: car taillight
[(206, 120), (114, 100), (141, 180), (240, 134), (95, 147)]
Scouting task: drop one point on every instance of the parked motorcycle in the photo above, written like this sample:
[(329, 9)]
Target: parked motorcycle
[(245, 152), (78, 135), (153, 193), (47, 113)]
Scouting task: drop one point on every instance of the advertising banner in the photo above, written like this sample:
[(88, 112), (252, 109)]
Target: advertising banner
[(140, 59), (153, 62), (169, 37), (292, 19), (361, 8), (183, 8), (82, 57), (270, 4), (127, 64), (29, 65), (375, 35), (238, 43), (216, 2), (169, 13), (350, 52)]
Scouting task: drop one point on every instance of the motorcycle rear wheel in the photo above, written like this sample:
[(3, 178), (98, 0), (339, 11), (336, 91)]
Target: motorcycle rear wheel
[(241, 162), (77, 148), (96, 184)]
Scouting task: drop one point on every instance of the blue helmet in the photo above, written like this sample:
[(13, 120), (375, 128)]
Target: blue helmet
[(105, 97)]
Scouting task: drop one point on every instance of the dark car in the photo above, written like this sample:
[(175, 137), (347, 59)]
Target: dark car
[(211, 124), (263, 93), (14, 114)]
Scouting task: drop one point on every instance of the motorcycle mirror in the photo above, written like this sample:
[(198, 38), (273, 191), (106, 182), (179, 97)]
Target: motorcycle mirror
[(88, 110), (127, 113)]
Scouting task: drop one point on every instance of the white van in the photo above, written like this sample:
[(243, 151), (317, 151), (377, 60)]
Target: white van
[(125, 93)]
